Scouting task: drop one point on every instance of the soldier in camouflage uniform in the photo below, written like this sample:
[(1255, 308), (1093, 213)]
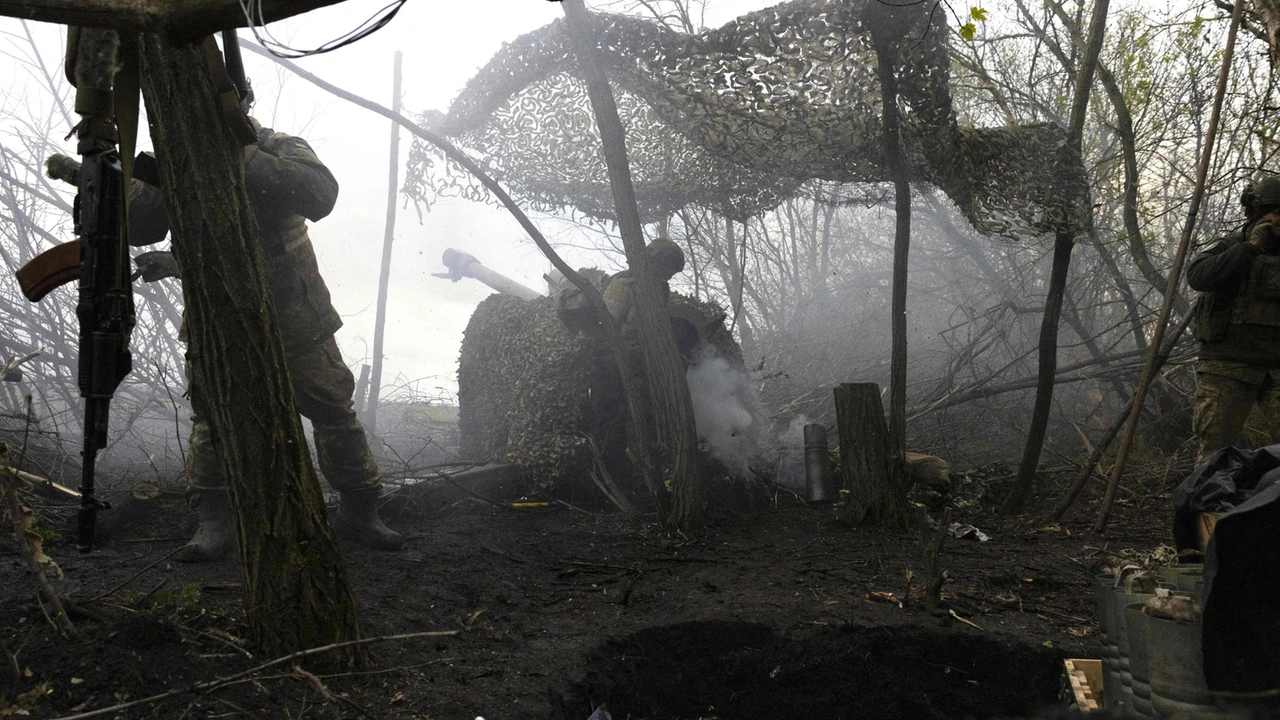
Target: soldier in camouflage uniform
[(287, 185), (1238, 325), (666, 259)]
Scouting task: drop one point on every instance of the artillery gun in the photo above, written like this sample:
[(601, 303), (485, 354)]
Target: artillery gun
[(537, 395)]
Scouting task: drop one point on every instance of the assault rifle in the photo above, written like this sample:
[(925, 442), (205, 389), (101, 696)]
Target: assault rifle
[(105, 312)]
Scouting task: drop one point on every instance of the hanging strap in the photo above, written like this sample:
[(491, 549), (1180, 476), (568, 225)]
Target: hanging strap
[(234, 115)]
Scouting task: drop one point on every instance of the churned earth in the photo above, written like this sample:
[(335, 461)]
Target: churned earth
[(780, 611)]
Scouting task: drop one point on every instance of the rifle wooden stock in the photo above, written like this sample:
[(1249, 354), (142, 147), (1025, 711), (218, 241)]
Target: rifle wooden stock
[(52, 268)]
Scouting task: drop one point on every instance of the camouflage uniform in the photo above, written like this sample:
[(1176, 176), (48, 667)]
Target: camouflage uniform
[(1238, 327), (665, 260), (287, 185)]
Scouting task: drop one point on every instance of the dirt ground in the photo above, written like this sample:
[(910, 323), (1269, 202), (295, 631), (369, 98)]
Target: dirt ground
[(767, 614)]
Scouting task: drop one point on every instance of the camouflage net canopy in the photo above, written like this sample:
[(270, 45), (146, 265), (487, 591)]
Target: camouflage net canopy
[(738, 118), (524, 382)]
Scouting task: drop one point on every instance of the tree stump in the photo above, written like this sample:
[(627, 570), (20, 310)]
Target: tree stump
[(874, 482)]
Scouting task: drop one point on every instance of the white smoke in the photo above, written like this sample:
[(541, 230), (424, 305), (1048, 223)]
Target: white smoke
[(724, 409)]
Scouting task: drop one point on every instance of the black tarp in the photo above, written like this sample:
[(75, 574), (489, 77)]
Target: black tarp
[(1241, 621)]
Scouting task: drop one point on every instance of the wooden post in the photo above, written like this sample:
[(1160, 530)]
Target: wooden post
[(875, 491), (384, 276), (362, 390)]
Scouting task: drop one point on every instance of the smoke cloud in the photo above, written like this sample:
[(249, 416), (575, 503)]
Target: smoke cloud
[(724, 409)]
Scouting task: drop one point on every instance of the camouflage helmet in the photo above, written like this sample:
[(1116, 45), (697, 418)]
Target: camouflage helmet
[(667, 257), (1263, 195)]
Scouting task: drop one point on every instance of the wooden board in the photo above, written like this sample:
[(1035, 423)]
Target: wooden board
[(1085, 676), (1205, 523)]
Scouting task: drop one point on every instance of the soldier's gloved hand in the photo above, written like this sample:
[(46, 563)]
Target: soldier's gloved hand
[(156, 265), (61, 167), (1265, 237)]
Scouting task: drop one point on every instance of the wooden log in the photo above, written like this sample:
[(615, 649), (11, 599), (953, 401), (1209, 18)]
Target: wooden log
[(187, 19)]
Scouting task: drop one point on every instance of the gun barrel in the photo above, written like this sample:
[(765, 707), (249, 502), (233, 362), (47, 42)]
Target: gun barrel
[(462, 265)]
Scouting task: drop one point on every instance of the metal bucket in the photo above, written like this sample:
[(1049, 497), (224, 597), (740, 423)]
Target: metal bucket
[(1135, 625), (1134, 704), (1169, 574), (1176, 668), (817, 463), (1112, 696), (1248, 705)]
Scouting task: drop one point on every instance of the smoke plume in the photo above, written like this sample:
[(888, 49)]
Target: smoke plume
[(724, 409)]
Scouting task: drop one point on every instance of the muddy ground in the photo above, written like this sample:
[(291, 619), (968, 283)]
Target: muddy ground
[(767, 614)]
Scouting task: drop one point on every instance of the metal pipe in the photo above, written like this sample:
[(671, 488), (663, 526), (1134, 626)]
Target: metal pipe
[(462, 265), (817, 463)]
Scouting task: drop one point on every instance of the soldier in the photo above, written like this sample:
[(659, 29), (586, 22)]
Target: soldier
[(666, 259), (287, 185), (1238, 324)]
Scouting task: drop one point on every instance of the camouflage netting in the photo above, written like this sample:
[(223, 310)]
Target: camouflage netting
[(523, 384), (738, 118)]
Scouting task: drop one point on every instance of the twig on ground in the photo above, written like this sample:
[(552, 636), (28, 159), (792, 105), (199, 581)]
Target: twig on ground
[(204, 687), (135, 576)]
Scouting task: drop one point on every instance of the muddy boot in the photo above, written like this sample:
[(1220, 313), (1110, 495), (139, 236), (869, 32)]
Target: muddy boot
[(357, 520), (216, 537)]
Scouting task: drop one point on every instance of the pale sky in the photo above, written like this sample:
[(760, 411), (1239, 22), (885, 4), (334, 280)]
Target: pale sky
[(444, 44)]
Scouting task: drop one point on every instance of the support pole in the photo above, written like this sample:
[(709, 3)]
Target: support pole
[(384, 275), (1175, 276)]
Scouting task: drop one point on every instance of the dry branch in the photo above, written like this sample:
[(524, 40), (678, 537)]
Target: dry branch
[(204, 687)]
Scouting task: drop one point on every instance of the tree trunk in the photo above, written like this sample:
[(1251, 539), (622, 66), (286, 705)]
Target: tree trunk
[(669, 390), (384, 275), (297, 595), (1062, 246), (885, 64), (875, 493), (1048, 370)]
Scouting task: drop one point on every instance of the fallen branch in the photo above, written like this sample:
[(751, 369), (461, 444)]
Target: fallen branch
[(204, 687), (22, 518), (604, 479)]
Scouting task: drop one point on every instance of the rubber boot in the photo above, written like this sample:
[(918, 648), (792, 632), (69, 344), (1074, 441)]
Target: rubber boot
[(216, 537), (357, 520)]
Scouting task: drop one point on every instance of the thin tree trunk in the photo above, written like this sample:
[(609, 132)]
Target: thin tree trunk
[(669, 390), (886, 61), (1128, 146), (1175, 275), (297, 595), (384, 275), (1064, 242), (1046, 375)]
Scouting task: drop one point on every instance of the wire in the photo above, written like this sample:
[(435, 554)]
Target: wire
[(254, 14)]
